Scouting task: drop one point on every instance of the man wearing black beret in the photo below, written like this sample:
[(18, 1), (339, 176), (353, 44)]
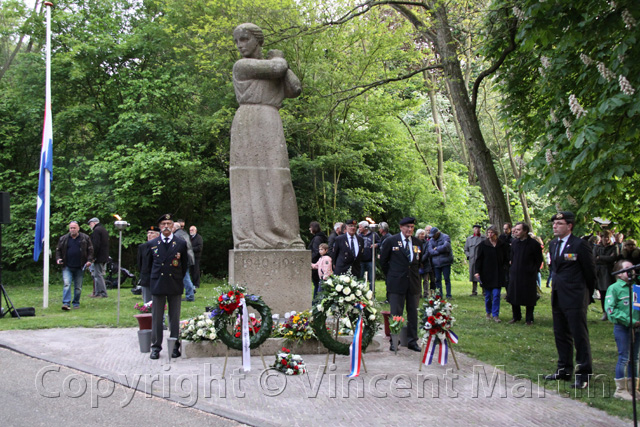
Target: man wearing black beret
[(573, 278), (347, 250), (168, 265), (400, 260)]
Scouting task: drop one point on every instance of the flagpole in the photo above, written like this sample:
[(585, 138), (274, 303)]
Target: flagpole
[(47, 179)]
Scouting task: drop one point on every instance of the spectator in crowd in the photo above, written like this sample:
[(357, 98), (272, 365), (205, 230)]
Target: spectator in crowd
[(617, 309), (605, 255), (384, 232), (427, 265), (506, 233), (338, 229), (314, 246), (400, 262), (347, 251), (544, 259), (526, 258), (631, 252), (424, 277), (471, 251), (74, 253), (323, 266), (179, 233), (593, 241), (574, 277), (100, 242), (441, 258), (619, 238), (196, 245), (168, 264), (367, 264), (144, 254), (491, 264)]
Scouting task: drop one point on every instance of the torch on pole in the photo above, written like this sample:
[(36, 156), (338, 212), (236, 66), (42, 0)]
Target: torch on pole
[(120, 226)]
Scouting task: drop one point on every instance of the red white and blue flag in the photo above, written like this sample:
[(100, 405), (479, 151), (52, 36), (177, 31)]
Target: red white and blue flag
[(46, 163), (355, 349)]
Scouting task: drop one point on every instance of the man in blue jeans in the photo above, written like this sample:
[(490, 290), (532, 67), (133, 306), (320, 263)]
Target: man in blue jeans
[(74, 253), (189, 289), (439, 247)]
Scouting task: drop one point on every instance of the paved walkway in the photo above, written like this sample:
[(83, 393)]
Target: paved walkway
[(392, 392)]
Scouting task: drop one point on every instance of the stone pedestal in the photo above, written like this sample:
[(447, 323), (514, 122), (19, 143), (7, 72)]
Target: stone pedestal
[(282, 277)]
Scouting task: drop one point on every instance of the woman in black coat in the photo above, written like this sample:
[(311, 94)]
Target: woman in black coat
[(314, 246), (491, 266)]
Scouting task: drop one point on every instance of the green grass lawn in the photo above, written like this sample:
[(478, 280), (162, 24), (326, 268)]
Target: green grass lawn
[(517, 349)]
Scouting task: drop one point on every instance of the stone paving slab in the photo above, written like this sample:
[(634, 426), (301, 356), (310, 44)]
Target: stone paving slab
[(392, 392)]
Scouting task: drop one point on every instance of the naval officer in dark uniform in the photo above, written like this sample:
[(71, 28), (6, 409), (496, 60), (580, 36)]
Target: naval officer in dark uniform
[(400, 261), (347, 251), (573, 278), (168, 264)]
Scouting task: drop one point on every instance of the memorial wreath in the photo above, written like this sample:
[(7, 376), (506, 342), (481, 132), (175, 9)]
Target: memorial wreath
[(344, 296), (225, 315)]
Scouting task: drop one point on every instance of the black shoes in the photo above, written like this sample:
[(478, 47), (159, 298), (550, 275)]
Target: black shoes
[(176, 351), (414, 347), (155, 354), (392, 347), (558, 375)]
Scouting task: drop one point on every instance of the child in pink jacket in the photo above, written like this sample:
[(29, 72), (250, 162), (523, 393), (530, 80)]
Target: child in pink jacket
[(323, 265)]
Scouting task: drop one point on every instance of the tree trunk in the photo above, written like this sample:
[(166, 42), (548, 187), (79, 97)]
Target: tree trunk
[(478, 151), (436, 122)]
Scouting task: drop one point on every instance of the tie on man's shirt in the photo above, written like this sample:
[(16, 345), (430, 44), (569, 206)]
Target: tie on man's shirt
[(407, 251)]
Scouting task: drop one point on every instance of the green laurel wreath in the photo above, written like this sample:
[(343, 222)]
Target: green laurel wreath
[(324, 336), (223, 320)]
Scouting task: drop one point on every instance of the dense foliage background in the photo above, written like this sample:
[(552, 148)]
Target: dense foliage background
[(143, 103)]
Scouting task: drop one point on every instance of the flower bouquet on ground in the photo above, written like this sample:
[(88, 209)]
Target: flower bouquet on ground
[(143, 308), (395, 326), (295, 328), (198, 328), (288, 363), (437, 320)]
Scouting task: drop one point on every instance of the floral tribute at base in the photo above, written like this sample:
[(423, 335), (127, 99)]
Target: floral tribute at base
[(289, 363), (437, 321), (344, 296), (227, 314)]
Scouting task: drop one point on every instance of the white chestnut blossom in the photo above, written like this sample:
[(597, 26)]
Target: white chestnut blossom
[(549, 137), (554, 119), (549, 156), (566, 122), (519, 13), (629, 21), (585, 59), (606, 73), (625, 86), (545, 61), (576, 108)]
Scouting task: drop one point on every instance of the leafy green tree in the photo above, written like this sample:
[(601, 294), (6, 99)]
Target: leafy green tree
[(572, 101)]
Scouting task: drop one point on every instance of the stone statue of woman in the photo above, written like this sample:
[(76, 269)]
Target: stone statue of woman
[(264, 212)]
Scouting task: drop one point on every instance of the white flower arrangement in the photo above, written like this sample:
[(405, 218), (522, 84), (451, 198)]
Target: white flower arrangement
[(200, 328)]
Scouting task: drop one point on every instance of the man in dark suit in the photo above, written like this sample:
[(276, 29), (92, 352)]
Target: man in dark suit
[(168, 265), (400, 260), (573, 281), (347, 251)]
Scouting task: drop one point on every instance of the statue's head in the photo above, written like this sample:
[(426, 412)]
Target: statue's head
[(249, 39)]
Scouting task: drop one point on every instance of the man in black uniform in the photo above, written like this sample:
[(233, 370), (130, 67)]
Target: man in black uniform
[(573, 281), (347, 251), (169, 263), (400, 261)]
